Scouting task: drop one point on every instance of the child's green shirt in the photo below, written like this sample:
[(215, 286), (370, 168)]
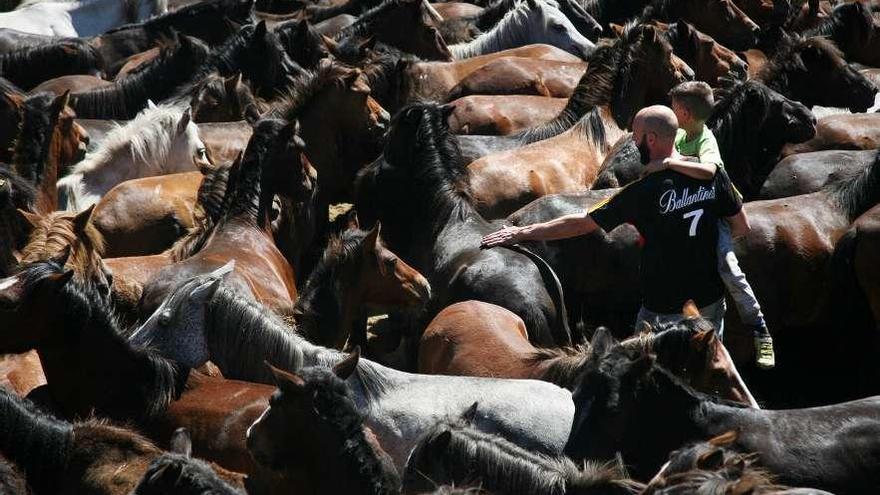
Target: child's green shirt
[(703, 147)]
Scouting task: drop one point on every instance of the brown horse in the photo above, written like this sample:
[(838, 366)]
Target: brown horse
[(521, 76), (146, 216), (75, 83), (274, 163), (81, 457), (720, 19), (314, 429), (397, 79), (805, 173), (709, 59), (857, 131), (505, 181), (461, 337), (502, 115), (852, 27)]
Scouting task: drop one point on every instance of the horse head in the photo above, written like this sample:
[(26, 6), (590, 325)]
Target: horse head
[(545, 23), (709, 59)]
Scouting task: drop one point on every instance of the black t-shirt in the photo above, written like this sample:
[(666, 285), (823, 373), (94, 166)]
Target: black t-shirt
[(678, 218)]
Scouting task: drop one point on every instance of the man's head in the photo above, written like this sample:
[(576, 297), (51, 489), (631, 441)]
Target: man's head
[(692, 103), (654, 130)]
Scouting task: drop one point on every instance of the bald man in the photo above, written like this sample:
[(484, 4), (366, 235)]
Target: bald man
[(676, 215)]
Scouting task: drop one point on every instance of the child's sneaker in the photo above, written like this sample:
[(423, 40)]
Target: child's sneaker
[(765, 356)]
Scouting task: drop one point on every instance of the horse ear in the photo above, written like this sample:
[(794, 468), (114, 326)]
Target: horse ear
[(352, 222), (232, 84), (724, 439), (185, 119), (366, 44), (81, 220), (59, 103), (700, 341), (61, 279), (711, 461), (470, 414), (602, 342), (261, 30), (181, 442), (617, 29), (330, 43), (150, 104), (343, 369), (31, 218), (644, 328), (690, 310), (287, 381), (372, 237)]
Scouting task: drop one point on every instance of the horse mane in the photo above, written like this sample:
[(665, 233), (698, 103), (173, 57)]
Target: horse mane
[(243, 336), (732, 133), (303, 89), (778, 70), (15, 190), (311, 309), (55, 233), (88, 315), (31, 149), (335, 406), (605, 81), (31, 65), (208, 210), (124, 99), (566, 363), (383, 71), (176, 473), (166, 21), (148, 139), (728, 479), (859, 192), (503, 466), (506, 31), (36, 442)]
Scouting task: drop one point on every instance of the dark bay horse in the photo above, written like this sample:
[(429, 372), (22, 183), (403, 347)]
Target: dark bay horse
[(272, 164), (28, 67), (419, 191), (462, 337), (709, 59), (81, 457), (224, 99), (624, 397), (313, 428), (242, 336), (751, 123), (857, 131), (852, 27), (804, 173), (720, 19), (453, 452), (814, 72)]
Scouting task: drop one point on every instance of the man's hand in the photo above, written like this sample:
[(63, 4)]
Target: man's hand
[(507, 235)]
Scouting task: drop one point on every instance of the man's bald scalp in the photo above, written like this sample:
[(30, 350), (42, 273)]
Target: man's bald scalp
[(658, 119)]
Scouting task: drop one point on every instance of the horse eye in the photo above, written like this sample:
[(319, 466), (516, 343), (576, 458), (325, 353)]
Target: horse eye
[(202, 153), (559, 27), (165, 318), (390, 263)]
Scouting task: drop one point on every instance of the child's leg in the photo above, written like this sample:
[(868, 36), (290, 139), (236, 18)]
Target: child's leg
[(735, 280)]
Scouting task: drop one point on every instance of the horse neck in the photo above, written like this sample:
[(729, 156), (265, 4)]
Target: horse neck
[(326, 310), (508, 33), (363, 470), (90, 368), (39, 446), (47, 192), (109, 170)]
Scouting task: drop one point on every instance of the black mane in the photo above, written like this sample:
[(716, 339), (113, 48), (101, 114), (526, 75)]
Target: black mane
[(157, 81), (205, 20), (36, 442), (178, 474), (335, 406), (89, 316), (303, 89), (836, 27), (32, 146), (787, 61), (468, 455), (29, 66), (856, 194)]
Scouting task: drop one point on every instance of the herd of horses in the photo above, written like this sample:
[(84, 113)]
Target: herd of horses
[(240, 248)]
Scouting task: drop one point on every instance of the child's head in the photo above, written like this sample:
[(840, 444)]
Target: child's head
[(692, 102)]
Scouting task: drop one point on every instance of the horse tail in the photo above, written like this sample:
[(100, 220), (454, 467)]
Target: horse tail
[(561, 331)]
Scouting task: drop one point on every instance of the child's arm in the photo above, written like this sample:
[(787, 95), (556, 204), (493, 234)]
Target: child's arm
[(696, 170)]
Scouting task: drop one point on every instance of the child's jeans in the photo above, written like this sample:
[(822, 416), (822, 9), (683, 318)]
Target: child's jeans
[(735, 280)]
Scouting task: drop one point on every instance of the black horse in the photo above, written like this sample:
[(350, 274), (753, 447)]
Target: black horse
[(629, 404), (418, 189), (751, 123)]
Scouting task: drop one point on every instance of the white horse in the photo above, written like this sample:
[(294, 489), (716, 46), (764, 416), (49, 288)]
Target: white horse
[(160, 140), (532, 21), (80, 18)]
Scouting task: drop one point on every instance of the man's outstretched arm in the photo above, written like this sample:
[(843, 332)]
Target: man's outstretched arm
[(559, 228)]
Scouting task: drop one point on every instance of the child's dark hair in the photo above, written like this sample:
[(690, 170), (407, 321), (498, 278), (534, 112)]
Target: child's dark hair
[(696, 96)]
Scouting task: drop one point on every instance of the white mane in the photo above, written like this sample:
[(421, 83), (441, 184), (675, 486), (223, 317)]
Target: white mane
[(147, 140)]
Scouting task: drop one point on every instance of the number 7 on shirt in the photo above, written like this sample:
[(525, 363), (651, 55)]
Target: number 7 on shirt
[(695, 219)]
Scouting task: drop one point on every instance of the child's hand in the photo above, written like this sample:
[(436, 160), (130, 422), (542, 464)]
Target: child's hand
[(654, 166)]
